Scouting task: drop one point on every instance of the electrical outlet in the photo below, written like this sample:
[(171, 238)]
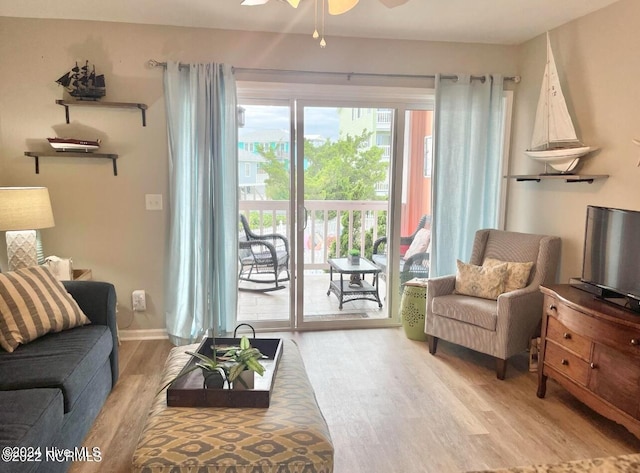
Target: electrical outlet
[(139, 300), (153, 201)]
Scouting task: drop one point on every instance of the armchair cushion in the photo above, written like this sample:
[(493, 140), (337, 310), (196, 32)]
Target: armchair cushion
[(486, 282), (517, 273), (471, 310), (419, 244)]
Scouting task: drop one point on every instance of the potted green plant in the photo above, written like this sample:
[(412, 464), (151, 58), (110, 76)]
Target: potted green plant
[(214, 371), (354, 256), (243, 363)]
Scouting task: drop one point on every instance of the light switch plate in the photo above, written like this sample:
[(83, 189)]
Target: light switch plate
[(153, 201)]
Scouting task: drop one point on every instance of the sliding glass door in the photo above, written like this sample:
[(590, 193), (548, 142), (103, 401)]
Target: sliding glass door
[(343, 162), (335, 170), (264, 175)]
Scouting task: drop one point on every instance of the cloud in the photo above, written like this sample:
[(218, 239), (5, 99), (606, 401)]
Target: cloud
[(321, 121)]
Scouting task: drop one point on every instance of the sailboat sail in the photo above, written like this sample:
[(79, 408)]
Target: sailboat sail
[(553, 123), (554, 139)]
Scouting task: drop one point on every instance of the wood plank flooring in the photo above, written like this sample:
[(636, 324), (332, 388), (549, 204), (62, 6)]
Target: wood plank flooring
[(393, 407)]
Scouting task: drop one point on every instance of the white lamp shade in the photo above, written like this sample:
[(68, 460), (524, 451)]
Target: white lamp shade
[(25, 208)]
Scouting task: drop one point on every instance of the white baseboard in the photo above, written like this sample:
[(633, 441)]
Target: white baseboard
[(149, 334)]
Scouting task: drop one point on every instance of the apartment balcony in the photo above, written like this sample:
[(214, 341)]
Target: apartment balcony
[(324, 236), (383, 120)]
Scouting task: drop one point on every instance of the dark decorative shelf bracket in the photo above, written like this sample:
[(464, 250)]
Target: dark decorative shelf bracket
[(73, 154), (90, 103)]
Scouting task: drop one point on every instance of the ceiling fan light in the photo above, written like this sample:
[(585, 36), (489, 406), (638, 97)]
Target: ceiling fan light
[(251, 3), (393, 3), (294, 3), (338, 7)]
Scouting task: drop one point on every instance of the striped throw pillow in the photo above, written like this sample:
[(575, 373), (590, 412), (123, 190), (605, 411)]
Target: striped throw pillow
[(33, 303)]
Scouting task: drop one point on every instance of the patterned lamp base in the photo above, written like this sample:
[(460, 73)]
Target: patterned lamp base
[(21, 249)]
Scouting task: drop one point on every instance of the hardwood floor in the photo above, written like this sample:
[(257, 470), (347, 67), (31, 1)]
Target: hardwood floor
[(393, 407)]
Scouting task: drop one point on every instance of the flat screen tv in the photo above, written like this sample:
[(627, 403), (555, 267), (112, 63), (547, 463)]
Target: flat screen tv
[(612, 253)]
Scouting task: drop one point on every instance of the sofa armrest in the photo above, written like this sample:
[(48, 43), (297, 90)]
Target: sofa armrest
[(98, 301)]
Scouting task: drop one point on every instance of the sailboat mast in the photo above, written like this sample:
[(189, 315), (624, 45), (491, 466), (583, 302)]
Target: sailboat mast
[(546, 80)]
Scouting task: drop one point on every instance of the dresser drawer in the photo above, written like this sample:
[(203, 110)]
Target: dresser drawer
[(620, 337), (566, 362), (568, 338)]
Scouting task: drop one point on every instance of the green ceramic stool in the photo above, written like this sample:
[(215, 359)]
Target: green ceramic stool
[(413, 307)]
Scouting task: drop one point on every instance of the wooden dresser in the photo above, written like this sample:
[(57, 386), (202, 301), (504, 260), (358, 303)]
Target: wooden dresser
[(592, 349)]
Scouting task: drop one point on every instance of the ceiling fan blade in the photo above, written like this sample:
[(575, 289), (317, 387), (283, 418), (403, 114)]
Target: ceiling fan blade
[(251, 3), (338, 7), (393, 3)]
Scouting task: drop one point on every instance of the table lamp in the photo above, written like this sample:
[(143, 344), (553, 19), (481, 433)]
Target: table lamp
[(23, 210)]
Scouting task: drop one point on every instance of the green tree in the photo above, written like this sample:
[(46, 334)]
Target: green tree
[(277, 184), (347, 169)]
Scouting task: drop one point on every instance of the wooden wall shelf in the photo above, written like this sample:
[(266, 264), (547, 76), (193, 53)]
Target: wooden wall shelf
[(565, 177), (72, 154), (94, 103)]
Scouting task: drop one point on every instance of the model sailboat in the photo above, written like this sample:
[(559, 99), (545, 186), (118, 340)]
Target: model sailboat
[(554, 140), (83, 83)]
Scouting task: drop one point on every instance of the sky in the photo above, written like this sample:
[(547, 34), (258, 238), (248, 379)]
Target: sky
[(321, 121)]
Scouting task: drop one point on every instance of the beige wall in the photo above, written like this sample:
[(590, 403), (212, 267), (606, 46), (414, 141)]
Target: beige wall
[(599, 66), (101, 221)]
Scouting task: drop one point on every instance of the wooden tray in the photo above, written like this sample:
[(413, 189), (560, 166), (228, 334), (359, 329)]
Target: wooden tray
[(189, 390)]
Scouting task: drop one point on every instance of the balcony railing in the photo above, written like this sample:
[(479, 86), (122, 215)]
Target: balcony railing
[(384, 119), (323, 225)]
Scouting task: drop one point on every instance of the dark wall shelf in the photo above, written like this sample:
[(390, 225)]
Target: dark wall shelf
[(565, 177), (94, 103), (72, 154)]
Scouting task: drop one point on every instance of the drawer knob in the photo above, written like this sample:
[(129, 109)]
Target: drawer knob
[(552, 307), (635, 342), (566, 336), (593, 366), (564, 362)]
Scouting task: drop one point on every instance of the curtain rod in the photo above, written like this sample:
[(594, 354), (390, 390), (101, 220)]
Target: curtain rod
[(516, 79)]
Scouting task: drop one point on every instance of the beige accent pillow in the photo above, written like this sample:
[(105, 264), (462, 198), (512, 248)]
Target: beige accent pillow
[(419, 244), (517, 273), (480, 281), (33, 303)]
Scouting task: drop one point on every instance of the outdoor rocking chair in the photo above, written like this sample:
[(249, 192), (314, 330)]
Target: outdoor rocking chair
[(262, 258)]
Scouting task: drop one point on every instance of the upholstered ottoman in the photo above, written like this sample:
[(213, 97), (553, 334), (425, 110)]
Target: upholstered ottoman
[(290, 436)]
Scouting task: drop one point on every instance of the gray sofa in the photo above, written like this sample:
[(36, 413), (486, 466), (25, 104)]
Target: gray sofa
[(52, 389)]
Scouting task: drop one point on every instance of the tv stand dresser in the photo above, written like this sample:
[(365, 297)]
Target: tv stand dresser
[(592, 349)]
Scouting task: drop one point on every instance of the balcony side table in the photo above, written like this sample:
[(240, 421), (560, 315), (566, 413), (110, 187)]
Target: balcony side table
[(345, 292)]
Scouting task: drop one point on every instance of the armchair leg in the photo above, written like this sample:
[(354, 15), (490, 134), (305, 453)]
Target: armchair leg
[(433, 344), (501, 368)]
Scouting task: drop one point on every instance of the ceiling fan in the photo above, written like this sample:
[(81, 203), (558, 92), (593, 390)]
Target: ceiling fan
[(336, 7)]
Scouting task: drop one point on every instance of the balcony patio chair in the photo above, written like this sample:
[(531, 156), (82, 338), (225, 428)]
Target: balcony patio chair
[(492, 313), (262, 259), (414, 261)]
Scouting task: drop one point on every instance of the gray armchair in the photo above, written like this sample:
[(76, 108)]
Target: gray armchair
[(499, 328)]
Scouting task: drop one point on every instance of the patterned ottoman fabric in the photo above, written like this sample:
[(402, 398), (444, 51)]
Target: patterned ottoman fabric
[(291, 436), (619, 464)]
